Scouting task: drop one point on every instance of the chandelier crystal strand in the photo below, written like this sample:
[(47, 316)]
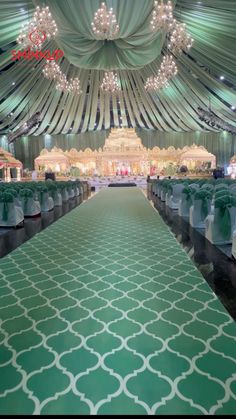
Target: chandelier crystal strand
[(180, 40), (110, 82), (104, 24), (162, 17), (39, 29)]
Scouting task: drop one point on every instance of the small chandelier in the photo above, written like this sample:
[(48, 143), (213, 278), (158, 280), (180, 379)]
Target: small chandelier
[(52, 70), (162, 17), (168, 67), (110, 82), (104, 24), (156, 83), (41, 28), (44, 22), (180, 40), (74, 86), (167, 70), (62, 84)]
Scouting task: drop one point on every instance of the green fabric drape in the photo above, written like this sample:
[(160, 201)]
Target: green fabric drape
[(134, 47)]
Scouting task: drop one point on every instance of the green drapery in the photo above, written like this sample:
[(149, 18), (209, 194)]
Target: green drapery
[(134, 47), (222, 145)]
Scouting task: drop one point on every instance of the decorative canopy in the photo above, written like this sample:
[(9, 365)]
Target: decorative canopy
[(196, 153), (135, 53), (7, 160)]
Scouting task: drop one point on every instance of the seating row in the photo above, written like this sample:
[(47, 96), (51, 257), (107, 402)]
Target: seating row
[(29, 199), (207, 204)]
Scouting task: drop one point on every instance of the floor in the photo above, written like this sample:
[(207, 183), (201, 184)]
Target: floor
[(103, 312), (11, 238), (214, 262)]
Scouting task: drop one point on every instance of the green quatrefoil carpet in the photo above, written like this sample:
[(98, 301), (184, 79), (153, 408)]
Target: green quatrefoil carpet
[(104, 313)]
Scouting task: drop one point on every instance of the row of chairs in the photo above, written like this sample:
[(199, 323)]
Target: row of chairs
[(29, 199), (207, 204)]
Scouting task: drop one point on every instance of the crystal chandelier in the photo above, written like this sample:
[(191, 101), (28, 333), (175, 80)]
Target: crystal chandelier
[(168, 67), (62, 84), (167, 70), (51, 70), (44, 22), (74, 86), (41, 28), (156, 83), (180, 40), (110, 82), (162, 17), (104, 24)]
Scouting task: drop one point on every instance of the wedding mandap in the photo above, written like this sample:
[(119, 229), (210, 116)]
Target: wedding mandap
[(123, 154)]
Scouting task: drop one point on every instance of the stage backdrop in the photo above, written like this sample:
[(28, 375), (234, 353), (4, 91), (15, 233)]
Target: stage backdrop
[(26, 149)]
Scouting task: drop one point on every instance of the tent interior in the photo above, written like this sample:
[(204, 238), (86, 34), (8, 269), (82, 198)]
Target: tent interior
[(117, 207), (168, 116)]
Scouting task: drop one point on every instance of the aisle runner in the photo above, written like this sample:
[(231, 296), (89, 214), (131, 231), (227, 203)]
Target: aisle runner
[(103, 312)]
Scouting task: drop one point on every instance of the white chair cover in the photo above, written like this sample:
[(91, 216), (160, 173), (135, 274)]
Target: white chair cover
[(15, 215)]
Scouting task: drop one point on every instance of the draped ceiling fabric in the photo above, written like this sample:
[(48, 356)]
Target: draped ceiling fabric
[(135, 54)]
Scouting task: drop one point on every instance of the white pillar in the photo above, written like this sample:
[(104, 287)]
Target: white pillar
[(18, 174), (8, 178)]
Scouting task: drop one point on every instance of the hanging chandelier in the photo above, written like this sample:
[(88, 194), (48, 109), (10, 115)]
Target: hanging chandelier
[(62, 84), (39, 29), (51, 70), (180, 40), (74, 86), (110, 82), (104, 24), (162, 16), (168, 69)]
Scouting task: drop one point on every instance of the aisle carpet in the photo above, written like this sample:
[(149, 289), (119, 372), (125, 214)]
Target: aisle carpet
[(104, 313)]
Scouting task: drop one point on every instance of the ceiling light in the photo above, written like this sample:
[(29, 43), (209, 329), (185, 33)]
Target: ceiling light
[(104, 24), (110, 82), (162, 17)]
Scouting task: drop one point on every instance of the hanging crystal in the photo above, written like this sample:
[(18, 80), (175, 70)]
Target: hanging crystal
[(110, 82), (162, 17), (104, 24), (180, 40)]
